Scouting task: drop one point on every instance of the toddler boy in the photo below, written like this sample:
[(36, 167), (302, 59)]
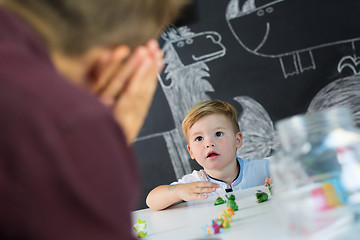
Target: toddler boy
[(213, 136)]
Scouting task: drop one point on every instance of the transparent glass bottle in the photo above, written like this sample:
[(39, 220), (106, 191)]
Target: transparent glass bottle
[(317, 174)]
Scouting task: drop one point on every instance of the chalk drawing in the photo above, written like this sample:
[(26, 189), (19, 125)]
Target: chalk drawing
[(185, 84), (349, 62), (260, 138), (261, 29), (343, 91)]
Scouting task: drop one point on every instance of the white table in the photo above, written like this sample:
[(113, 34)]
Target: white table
[(184, 221)]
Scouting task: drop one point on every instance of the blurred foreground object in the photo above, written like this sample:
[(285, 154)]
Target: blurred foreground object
[(317, 174)]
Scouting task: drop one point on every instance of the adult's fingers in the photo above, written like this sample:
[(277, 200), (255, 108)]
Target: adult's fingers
[(156, 53), (108, 67), (125, 73), (133, 101)]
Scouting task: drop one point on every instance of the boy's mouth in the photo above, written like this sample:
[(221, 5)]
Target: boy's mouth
[(212, 154)]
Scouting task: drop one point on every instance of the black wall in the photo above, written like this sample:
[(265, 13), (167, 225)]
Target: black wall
[(270, 59)]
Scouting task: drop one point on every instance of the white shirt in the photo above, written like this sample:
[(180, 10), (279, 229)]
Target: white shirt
[(253, 172)]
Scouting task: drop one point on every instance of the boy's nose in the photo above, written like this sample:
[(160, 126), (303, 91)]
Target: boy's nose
[(210, 144)]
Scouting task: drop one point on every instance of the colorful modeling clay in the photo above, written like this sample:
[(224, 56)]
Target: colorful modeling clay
[(226, 217), (218, 225), (214, 228), (219, 201), (139, 227), (261, 196), (231, 202)]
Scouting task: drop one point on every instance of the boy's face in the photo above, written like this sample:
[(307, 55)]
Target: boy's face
[(212, 142)]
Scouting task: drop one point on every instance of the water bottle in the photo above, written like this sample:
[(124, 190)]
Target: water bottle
[(316, 174)]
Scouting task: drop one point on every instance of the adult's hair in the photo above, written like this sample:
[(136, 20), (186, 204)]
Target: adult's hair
[(205, 108), (74, 26)]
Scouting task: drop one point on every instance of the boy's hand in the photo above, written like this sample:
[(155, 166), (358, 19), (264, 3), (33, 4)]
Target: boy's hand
[(195, 190), (267, 181), (127, 83)]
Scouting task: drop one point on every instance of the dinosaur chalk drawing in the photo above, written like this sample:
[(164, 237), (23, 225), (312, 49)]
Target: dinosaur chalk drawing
[(290, 30), (185, 84), (260, 138), (186, 54), (343, 91)]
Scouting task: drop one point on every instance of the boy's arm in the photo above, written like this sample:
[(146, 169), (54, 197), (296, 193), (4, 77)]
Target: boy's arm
[(164, 196)]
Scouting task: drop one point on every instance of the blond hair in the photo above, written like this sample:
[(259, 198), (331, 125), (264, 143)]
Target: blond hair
[(205, 108), (75, 26)]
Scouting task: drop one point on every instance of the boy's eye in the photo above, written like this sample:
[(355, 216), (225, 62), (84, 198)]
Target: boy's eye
[(198, 139), (219, 134)]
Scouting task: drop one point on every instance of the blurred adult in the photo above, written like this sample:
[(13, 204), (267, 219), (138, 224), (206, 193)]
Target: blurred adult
[(66, 171)]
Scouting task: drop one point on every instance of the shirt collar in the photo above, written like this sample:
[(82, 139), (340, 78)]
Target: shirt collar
[(234, 183)]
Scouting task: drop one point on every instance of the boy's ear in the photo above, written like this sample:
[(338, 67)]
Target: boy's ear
[(239, 139), (191, 153)]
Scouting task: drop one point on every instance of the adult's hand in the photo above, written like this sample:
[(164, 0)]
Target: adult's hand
[(127, 84)]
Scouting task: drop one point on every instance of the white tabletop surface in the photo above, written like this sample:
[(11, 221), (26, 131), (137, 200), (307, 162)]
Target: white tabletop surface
[(184, 221)]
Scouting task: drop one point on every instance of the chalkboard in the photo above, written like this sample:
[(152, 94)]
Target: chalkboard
[(270, 59)]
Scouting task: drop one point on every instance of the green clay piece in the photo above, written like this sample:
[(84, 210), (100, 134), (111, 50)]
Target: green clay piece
[(261, 196), (231, 197), (231, 202), (219, 201), (139, 227), (141, 234)]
